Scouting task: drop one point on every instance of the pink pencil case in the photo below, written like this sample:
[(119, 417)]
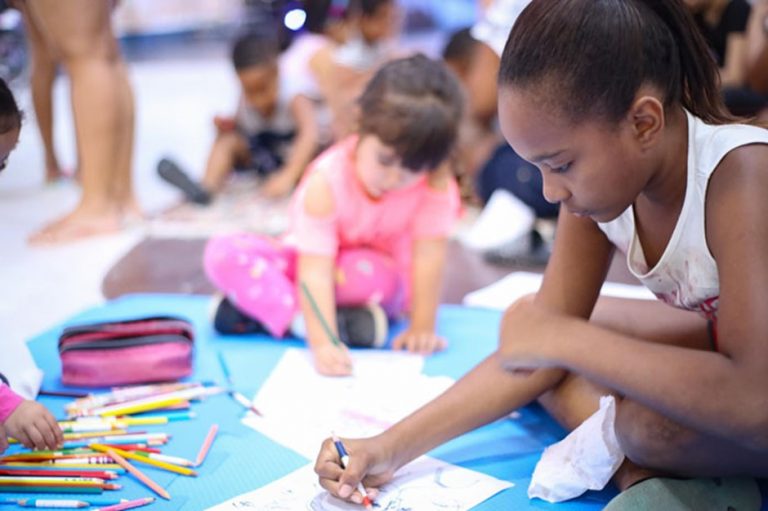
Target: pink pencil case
[(142, 350)]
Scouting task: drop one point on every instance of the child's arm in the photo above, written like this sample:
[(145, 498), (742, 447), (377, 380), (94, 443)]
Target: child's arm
[(428, 263), (316, 272), (302, 150), (27, 421), (434, 219), (718, 393)]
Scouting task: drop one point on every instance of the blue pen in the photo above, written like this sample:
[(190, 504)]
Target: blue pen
[(344, 457)]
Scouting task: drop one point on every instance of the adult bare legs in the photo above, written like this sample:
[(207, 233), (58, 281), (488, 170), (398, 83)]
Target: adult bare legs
[(79, 31), (43, 64)]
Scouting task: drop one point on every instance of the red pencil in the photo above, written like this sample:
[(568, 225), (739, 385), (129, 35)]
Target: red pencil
[(60, 473), (206, 445)]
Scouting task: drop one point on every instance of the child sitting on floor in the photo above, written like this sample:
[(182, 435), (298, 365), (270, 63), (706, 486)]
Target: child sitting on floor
[(616, 103), (274, 131), (368, 229), (27, 421)]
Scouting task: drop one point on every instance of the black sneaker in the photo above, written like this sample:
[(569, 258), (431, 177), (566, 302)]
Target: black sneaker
[(228, 319), (173, 174), (362, 326)]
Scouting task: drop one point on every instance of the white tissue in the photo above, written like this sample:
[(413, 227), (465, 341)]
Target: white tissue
[(584, 460)]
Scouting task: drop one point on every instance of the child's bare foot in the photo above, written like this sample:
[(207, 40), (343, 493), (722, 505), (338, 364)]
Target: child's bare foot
[(81, 224)]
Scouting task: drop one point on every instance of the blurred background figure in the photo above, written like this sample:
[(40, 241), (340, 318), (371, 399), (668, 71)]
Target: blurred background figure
[(43, 68), (724, 26), (757, 51), (78, 34), (364, 41), (273, 130)]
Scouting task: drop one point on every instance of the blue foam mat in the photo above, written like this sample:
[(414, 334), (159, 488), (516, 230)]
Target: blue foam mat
[(243, 460)]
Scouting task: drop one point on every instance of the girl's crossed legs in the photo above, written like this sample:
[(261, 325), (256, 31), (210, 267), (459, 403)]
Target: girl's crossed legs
[(258, 274), (653, 444)]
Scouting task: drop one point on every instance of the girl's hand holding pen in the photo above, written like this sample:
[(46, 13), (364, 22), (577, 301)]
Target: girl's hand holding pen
[(368, 463)]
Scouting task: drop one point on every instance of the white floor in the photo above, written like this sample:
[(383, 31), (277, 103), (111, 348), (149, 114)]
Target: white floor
[(41, 287)]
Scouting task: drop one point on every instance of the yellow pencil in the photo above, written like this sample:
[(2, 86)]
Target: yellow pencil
[(141, 407), (149, 461)]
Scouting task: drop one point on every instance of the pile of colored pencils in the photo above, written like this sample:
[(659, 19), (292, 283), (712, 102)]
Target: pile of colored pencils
[(99, 441)]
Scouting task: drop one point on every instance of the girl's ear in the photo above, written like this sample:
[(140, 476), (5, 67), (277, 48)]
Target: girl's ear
[(648, 120)]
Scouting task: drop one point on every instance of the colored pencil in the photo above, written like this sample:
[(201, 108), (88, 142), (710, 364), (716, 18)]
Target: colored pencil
[(175, 460), (134, 407), (69, 466), (245, 402), (50, 489), (225, 368), (141, 476), (56, 481), (141, 459), (332, 336), (206, 445), (60, 504), (104, 474), (53, 468), (62, 393), (171, 416), (64, 503), (129, 505)]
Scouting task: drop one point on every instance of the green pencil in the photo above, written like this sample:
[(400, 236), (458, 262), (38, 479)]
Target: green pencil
[(335, 340)]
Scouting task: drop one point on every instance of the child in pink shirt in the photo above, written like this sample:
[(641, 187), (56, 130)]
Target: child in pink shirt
[(369, 223), (27, 421)]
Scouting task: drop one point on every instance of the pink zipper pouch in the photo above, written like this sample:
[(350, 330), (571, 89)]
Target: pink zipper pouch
[(142, 350)]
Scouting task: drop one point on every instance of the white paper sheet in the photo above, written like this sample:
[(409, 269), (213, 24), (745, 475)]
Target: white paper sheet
[(503, 293), (426, 483), (301, 408)]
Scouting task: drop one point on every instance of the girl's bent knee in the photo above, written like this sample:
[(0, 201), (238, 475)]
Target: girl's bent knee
[(649, 439)]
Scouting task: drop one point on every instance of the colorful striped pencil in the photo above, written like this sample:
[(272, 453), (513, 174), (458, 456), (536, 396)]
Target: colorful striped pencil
[(141, 459)]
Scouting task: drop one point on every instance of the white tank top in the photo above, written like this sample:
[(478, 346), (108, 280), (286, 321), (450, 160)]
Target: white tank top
[(686, 274)]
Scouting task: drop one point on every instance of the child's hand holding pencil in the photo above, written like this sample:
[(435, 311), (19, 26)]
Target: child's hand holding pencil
[(332, 360), (343, 465)]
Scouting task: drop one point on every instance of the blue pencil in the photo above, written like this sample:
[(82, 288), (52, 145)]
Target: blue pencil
[(224, 368)]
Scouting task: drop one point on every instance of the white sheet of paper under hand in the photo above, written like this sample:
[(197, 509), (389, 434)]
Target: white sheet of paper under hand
[(584, 460)]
